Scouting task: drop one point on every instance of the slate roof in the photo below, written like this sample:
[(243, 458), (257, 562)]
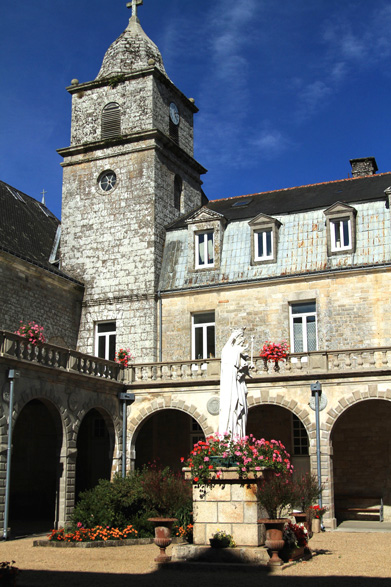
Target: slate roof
[(27, 228), (302, 236), (299, 199)]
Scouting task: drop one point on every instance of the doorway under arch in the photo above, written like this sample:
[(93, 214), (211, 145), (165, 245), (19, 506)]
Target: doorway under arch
[(361, 441), (35, 468), (278, 423), (165, 437), (95, 449)]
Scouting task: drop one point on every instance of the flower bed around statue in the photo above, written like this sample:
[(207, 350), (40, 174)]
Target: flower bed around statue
[(247, 455)]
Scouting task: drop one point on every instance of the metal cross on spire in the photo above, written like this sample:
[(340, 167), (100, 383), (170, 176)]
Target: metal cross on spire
[(43, 197), (133, 5)]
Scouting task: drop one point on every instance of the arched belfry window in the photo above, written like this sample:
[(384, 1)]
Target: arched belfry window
[(111, 121), (178, 193)]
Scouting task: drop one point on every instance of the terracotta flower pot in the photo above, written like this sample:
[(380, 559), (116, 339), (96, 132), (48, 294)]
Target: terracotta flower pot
[(162, 536), (274, 539)]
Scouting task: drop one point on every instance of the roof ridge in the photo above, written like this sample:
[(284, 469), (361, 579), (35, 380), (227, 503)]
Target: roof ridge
[(302, 186)]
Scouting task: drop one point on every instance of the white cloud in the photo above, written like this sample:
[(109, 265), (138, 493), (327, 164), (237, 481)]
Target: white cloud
[(270, 143)]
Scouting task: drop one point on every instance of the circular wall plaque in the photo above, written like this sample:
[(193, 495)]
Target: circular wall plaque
[(322, 402), (213, 406)]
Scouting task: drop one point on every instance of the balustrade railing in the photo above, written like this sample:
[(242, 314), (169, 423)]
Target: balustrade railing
[(49, 355), (314, 363)]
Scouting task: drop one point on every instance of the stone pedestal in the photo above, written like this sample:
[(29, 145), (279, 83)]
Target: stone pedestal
[(230, 504)]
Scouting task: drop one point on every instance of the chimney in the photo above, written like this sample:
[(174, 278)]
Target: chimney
[(363, 166)]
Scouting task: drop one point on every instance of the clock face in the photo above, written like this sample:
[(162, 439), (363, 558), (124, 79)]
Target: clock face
[(174, 113), (107, 181)]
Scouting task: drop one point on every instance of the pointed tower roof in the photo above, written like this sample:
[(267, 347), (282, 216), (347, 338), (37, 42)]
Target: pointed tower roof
[(132, 51)]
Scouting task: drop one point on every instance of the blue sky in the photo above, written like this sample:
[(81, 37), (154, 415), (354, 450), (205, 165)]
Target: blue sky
[(288, 92)]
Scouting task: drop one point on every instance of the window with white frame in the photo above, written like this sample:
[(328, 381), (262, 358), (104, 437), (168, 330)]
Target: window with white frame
[(105, 335), (263, 245), (264, 239), (340, 234), (303, 327), (204, 249), (341, 229), (203, 336)]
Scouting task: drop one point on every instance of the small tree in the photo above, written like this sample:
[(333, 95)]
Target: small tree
[(306, 492), (275, 493)]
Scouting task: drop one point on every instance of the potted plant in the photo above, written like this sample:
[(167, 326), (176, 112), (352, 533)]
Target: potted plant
[(315, 517), (123, 357), (221, 539), (274, 351), (275, 493), (8, 574), (32, 331), (296, 542), (306, 493), (167, 493), (247, 455)]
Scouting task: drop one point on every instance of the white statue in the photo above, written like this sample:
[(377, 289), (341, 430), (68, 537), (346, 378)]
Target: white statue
[(233, 390)]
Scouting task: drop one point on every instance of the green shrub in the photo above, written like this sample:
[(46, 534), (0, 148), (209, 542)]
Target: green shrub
[(132, 500), (114, 504)]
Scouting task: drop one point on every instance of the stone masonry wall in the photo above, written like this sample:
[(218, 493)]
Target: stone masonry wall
[(135, 102), (163, 96), (358, 320), (30, 293), (69, 400)]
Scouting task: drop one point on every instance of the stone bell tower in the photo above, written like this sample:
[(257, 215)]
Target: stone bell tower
[(128, 172)]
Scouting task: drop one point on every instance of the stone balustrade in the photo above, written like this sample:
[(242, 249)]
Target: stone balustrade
[(139, 374), (49, 355), (319, 362)]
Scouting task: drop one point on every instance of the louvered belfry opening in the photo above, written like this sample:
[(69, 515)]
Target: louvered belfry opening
[(111, 121)]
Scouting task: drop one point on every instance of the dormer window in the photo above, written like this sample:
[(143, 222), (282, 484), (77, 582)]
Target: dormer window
[(204, 253), (205, 239), (263, 245), (341, 229), (264, 239), (341, 234)]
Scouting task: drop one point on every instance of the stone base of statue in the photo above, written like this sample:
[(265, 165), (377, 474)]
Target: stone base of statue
[(229, 504)]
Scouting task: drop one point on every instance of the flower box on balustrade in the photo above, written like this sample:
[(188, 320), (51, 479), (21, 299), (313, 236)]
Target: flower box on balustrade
[(229, 503)]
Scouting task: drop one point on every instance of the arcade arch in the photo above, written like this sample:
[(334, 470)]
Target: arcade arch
[(95, 449), (361, 442), (276, 422), (36, 468), (166, 436)]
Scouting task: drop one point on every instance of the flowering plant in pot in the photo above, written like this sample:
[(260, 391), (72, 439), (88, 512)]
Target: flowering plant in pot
[(296, 542), (32, 331), (316, 512), (295, 536), (221, 539), (123, 357), (274, 351), (247, 455), (8, 574)]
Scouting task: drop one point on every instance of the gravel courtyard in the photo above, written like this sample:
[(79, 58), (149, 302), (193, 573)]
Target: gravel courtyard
[(340, 559)]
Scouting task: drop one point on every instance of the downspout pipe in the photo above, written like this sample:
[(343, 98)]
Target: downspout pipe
[(159, 297), (127, 399), (316, 390), (12, 375)]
